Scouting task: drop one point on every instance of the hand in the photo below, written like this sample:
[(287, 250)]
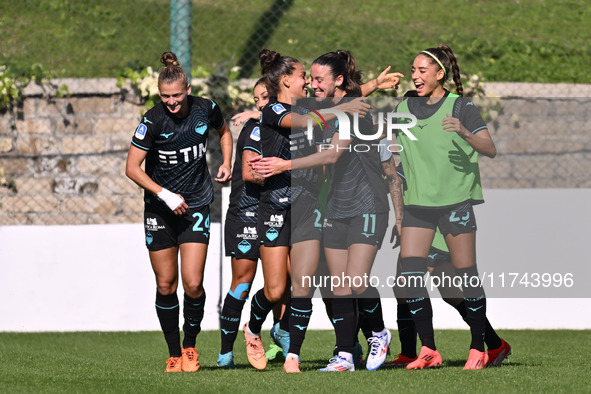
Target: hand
[(454, 125), (224, 174), (175, 202), (245, 116), (395, 236), (357, 105), (269, 166), (388, 80)]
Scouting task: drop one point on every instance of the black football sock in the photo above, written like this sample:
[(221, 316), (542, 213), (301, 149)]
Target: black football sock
[(475, 302), (193, 309), (406, 331), (491, 338), (299, 318), (284, 322), (259, 309), (230, 322), (363, 325), (167, 309), (344, 321), (372, 310), (417, 298)]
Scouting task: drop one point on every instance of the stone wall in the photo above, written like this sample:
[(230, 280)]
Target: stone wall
[(64, 158)]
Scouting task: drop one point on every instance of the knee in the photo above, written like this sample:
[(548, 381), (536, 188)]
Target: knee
[(240, 291), (274, 293), (193, 290), (165, 287)]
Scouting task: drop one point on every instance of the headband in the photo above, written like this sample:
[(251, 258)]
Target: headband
[(437, 60)]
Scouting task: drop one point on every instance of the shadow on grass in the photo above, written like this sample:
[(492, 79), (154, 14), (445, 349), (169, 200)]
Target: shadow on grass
[(462, 362)]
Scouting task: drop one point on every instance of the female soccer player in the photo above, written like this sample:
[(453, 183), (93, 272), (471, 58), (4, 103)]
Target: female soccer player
[(443, 182), (439, 266), (356, 214), (281, 232), (241, 238), (172, 139)]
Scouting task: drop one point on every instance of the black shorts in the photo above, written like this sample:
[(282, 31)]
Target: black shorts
[(368, 228), (241, 239), (306, 223), (273, 226), (437, 256), (458, 219), (164, 229)]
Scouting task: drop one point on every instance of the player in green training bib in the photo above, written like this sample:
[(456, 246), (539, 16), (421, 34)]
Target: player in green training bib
[(440, 161)]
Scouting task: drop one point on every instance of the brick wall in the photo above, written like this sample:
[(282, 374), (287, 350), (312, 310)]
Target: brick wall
[(64, 158)]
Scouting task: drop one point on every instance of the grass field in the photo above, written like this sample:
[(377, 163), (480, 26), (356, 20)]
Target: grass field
[(505, 40), (542, 361)]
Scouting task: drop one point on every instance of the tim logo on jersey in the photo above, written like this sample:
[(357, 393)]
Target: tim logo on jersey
[(185, 155)]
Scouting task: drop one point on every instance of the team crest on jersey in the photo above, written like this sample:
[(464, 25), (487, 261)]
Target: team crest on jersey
[(278, 108), (201, 128), (140, 132), (256, 134)]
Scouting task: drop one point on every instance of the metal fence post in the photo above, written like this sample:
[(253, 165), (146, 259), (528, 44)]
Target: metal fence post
[(181, 16)]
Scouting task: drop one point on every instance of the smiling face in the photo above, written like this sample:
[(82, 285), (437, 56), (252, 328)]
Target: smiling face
[(261, 96), (294, 85), (323, 81), (427, 77), (174, 96)]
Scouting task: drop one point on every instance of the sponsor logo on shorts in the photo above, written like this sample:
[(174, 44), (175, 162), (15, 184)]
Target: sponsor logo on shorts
[(275, 221), (248, 233), (152, 224), (272, 234), (244, 246)]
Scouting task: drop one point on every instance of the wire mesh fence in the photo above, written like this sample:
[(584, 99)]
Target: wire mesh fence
[(63, 143)]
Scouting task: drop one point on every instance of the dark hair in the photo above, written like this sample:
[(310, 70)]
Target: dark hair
[(450, 64), (259, 81), (273, 67), (172, 70), (342, 63)]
